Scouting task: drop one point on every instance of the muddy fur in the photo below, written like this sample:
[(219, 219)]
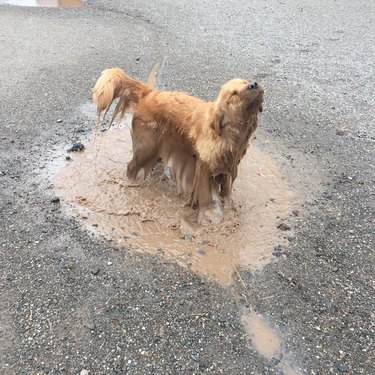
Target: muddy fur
[(200, 142)]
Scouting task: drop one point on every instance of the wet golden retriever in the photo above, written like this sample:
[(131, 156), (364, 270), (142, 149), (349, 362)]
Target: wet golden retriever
[(200, 143)]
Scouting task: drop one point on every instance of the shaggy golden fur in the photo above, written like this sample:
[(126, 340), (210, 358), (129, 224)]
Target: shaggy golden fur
[(201, 143)]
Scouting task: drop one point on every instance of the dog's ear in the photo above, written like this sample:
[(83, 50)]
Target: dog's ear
[(218, 122)]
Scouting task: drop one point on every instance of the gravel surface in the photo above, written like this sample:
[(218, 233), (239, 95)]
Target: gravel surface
[(72, 302)]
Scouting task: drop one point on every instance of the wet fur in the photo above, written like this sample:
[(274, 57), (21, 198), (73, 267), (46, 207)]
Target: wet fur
[(200, 143)]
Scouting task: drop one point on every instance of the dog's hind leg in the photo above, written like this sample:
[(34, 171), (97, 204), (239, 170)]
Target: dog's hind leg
[(139, 167), (145, 151)]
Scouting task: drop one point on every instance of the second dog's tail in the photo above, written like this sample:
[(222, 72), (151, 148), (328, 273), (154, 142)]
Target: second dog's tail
[(113, 84)]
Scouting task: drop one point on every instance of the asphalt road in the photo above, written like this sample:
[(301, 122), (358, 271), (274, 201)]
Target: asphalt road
[(72, 302)]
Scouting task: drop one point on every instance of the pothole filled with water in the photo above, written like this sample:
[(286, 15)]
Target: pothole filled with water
[(151, 217)]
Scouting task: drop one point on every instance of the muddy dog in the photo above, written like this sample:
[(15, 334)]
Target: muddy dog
[(200, 142)]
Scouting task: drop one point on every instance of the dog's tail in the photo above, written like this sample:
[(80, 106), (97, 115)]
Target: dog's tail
[(113, 84)]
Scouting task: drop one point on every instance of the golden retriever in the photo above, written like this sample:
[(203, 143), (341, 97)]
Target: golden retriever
[(200, 143)]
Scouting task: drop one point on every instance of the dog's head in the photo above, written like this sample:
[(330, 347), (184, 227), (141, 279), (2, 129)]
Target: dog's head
[(238, 101)]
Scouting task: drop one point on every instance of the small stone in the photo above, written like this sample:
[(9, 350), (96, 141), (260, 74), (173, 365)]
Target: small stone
[(195, 357), (59, 121), (68, 158), (340, 131), (283, 226), (80, 130), (342, 367), (77, 146), (342, 354), (55, 200), (84, 372), (275, 361), (95, 271), (109, 263)]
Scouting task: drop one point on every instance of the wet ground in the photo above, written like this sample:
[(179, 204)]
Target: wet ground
[(112, 278)]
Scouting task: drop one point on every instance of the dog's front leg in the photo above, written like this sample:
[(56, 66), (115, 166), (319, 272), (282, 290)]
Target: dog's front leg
[(226, 190), (206, 195)]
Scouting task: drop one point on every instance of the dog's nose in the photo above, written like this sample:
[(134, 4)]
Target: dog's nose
[(253, 85)]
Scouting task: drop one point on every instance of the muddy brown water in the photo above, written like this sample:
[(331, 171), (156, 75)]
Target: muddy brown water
[(45, 3), (151, 217), (267, 341)]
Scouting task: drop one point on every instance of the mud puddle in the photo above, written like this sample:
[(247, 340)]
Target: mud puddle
[(44, 3), (267, 342), (151, 217)]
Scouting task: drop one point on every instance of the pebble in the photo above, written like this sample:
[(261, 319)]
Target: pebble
[(340, 131), (55, 200), (195, 357), (278, 251), (342, 367), (84, 372), (283, 227), (68, 158), (77, 146), (80, 130), (59, 121), (95, 271)]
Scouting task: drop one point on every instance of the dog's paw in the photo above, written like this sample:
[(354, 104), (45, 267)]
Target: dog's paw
[(211, 215)]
